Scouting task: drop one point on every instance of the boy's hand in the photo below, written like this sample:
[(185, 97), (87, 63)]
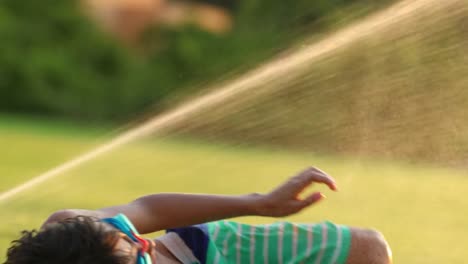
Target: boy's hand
[(284, 200)]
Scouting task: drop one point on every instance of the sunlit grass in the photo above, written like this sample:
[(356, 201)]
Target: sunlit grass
[(420, 209)]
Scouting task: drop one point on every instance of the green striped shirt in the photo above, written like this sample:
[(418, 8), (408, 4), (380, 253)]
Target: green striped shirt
[(281, 242)]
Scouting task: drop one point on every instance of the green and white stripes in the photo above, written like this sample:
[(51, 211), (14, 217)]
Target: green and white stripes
[(278, 243)]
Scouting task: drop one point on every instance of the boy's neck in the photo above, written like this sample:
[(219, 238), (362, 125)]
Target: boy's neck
[(163, 255)]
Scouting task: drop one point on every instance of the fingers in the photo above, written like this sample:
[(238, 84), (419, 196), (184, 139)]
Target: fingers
[(313, 198), (312, 174), (286, 197), (309, 200)]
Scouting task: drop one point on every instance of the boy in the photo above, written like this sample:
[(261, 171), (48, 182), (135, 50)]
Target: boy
[(111, 235)]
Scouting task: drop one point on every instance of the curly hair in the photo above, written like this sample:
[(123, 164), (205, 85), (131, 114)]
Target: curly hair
[(78, 240)]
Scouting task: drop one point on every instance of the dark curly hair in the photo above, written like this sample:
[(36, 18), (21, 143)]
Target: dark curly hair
[(78, 240)]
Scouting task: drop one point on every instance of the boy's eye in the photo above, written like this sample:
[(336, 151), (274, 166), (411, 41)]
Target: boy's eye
[(134, 249), (128, 245), (132, 243)]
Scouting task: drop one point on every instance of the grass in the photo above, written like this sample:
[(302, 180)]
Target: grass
[(420, 208)]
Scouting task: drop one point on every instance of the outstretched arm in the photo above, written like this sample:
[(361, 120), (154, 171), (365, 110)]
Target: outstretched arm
[(161, 211)]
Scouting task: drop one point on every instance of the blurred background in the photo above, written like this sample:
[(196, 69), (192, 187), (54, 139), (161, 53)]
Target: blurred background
[(385, 113)]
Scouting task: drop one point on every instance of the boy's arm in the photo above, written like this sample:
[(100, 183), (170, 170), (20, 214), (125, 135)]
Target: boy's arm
[(167, 210)]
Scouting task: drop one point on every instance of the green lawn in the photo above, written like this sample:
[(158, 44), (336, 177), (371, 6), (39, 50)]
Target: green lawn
[(420, 208)]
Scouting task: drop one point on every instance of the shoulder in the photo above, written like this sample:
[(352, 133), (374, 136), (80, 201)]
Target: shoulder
[(368, 246), (70, 213), (58, 216)]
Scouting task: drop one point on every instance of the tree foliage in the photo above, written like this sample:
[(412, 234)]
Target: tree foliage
[(54, 61)]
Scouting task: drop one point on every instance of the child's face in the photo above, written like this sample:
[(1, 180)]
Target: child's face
[(127, 247), (158, 253)]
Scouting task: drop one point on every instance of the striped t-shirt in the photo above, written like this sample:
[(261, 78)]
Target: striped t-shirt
[(282, 242)]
